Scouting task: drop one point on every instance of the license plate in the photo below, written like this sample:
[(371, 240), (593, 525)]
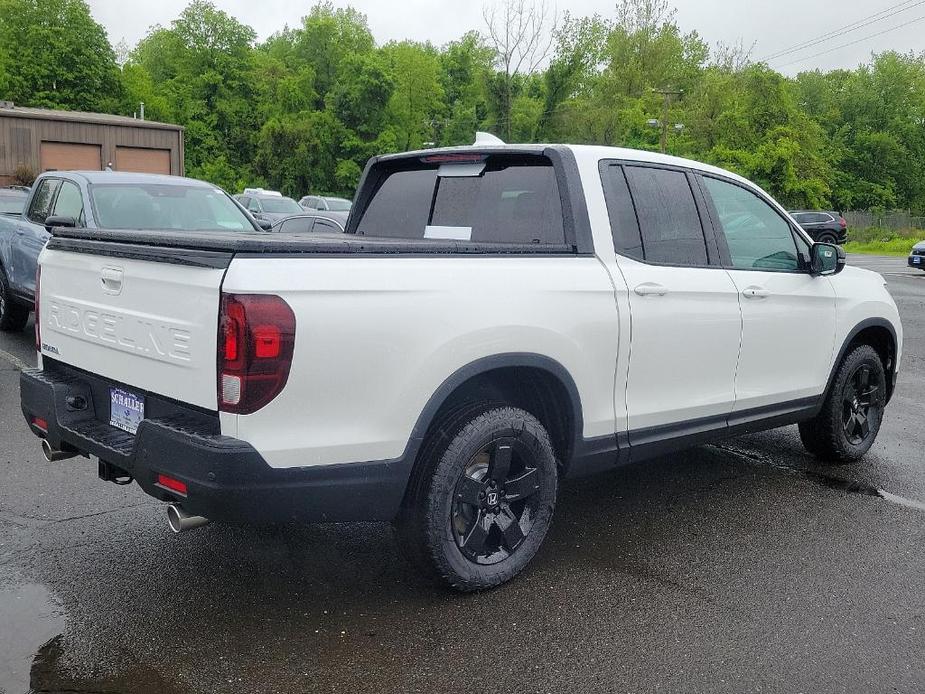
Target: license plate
[(917, 259), (126, 410)]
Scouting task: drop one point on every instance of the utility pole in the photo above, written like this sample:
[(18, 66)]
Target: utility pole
[(667, 94)]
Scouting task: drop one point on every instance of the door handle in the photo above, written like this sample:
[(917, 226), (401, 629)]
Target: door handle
[(651, 289), (111, 278), (756, 293)]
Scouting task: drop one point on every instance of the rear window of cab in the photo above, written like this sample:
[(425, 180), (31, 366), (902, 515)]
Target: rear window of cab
[(496, 199)]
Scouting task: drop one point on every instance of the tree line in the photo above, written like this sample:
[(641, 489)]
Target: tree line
[(303, 110)]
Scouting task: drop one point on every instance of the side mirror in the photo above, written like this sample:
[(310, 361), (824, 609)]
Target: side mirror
[(59, 221), (265, 224), (827, 259)]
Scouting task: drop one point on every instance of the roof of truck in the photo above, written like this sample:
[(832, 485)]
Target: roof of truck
[(581, 152)]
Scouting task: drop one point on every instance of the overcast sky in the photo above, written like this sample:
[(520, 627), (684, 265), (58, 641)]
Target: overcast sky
[(774, 26)]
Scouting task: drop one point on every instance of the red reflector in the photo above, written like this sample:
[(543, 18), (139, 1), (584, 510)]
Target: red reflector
[(266, 341), (171, 484), (40, 423)]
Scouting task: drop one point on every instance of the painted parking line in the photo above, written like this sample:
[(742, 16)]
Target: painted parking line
[(13, 359)]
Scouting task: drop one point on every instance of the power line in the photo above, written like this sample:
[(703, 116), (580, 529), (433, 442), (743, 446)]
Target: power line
[(891, 11), (851, 43)]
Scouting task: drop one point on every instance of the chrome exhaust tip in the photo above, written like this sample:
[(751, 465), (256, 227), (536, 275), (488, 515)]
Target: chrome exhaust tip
[(180, 521), (53, 455)]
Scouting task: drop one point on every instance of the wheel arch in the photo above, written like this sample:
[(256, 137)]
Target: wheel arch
[(880, 334), (533, 382)]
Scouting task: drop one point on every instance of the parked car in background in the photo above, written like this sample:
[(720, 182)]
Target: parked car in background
[(321, 222), (267, 204), (12, 200), (321, 202), (917, 256), (822, 226), (102, 200)]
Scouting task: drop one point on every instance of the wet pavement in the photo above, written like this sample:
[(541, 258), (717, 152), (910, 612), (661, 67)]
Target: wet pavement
[(743, 566)]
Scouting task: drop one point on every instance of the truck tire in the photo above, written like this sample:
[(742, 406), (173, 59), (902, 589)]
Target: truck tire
[(846, 427), (13, 315), (481, 504)]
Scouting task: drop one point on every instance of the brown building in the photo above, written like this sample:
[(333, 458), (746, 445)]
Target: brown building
[(47, 140)]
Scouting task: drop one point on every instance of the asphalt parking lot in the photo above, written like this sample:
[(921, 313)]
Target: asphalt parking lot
[(739, 567)]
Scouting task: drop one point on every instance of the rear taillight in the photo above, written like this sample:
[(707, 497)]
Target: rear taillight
[(256, 336), (38, 323), (842, 222)]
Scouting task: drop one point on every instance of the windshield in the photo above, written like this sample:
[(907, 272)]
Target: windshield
[(280, 205), (11, 204), (166, 207), (339, 204)]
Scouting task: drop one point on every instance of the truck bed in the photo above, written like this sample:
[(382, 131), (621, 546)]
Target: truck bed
[(176, 245)]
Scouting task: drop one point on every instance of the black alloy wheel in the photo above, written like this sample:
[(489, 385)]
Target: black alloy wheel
[(482, 499), (850, 417), (495, 502), (860, 405)]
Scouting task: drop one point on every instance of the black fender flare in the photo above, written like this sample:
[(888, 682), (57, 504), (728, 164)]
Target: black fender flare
[(484, 365), (852, 334), (492, 363)]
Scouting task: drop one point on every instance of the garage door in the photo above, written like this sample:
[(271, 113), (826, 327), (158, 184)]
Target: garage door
[(143, 160), (68, 156)]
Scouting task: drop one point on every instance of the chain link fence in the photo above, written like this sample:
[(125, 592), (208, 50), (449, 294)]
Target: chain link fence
[(894, 220)]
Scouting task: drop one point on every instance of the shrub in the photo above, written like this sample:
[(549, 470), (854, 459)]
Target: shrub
[(23, 175)]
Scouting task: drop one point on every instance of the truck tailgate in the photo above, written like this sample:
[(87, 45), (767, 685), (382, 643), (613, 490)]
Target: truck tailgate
[(150, 325)]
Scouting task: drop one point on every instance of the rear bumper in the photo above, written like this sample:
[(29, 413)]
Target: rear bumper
[(226, 479)]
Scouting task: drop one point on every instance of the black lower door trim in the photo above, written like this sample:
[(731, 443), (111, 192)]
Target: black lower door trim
[(655, 441), (607, 452)]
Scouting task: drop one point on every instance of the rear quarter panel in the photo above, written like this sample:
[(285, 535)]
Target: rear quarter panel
[(377, 336)]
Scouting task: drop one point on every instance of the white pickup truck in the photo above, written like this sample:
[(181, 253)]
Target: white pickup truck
[(496, 318)]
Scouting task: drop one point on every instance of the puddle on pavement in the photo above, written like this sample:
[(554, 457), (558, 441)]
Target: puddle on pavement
[(50, 677), (30, 617), (31, 651)]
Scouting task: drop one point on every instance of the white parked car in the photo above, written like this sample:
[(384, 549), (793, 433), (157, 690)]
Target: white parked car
[(495, 319)]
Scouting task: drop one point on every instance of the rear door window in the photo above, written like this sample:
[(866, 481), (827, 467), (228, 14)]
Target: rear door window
[(297, 225), (669, 222), (326, 226), (623, 224), (509, 200)]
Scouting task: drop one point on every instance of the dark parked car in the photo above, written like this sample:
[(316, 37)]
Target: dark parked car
[(326, 203), (822, 226), (322, 222), (102, 200), (917, 256), (12, 200), (268, 205)]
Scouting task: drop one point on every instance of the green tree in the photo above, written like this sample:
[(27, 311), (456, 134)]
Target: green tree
[(53, 54), (203, 65), (418, 99), (327, 39)]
